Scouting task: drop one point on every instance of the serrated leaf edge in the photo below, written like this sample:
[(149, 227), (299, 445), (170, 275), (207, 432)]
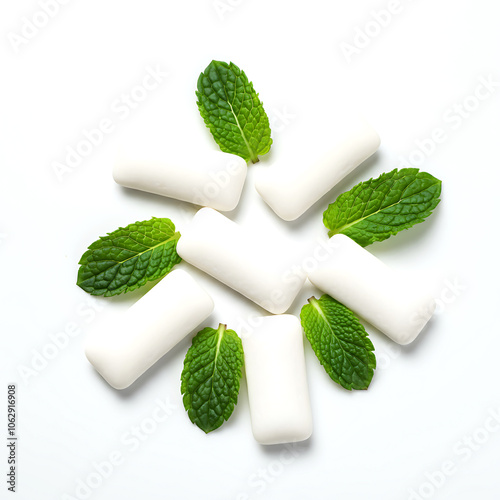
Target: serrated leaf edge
[(372, 238), (314, 302)]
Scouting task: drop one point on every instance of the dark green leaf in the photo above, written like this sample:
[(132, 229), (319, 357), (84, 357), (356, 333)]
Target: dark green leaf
[(129, 257), (233, 111), (339, 341), (210, 380), (376, 209)]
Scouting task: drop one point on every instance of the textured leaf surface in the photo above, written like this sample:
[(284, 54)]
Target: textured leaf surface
[(339, 341), (376, 209), (129, 257), (210, 380), (233, 111)]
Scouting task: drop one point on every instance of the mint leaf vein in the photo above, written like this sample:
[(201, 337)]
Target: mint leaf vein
[(233, 112), (129, 257), (339, 341), (210, 380), (378, 208)]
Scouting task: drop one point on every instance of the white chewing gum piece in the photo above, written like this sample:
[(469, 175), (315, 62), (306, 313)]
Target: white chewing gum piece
[(291, 192), (280, 408), (149, 329), (212, 179), (240, 259), (397, 305)]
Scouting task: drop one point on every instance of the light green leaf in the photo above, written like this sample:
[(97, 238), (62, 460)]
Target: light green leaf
[(339, 341), (376, 209), (210, 380), (233, 111), (129, 257)]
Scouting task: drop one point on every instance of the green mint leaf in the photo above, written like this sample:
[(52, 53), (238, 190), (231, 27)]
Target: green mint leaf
[(339, 341), (233, 111), (210, 380), (376, 209), (129, 257)]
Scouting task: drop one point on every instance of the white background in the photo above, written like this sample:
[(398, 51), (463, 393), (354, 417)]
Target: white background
[(425, 399)]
